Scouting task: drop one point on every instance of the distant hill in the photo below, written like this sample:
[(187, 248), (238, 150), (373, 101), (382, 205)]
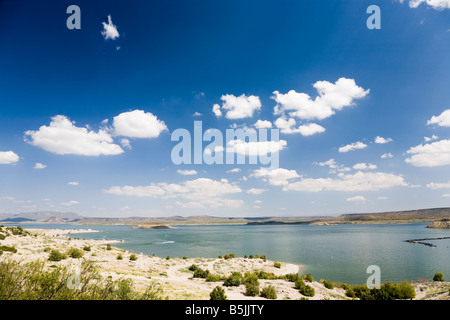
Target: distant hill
[(40, 216)]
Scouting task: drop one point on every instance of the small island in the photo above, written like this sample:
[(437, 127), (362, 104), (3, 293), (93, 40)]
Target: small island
[(153, 226), (440, 224)]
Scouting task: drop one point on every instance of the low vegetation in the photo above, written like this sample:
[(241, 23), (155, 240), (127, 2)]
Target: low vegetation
[(387, 291)]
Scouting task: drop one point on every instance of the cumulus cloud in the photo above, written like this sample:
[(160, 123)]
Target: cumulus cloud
[(138, 124), (387, 155), (39, 165), (430, 155), (8, 157), (275, 177), (255, 148), (63, 137), (333, 165), (434, 185), (359, 181), (234, 170), (364, 166), (331, 97), (237, 107), (442, 120), (433, 137), (381, 140), (263, 124), (70, 203), (353, 146), (110, 30), (356, 199), (256, 191), (435, 4), (187, 172), (288, 127)]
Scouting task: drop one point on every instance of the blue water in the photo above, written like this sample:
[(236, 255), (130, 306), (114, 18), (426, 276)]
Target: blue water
[(338, 253)]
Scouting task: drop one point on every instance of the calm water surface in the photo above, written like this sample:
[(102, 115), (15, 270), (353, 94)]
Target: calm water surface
[(338, 253)]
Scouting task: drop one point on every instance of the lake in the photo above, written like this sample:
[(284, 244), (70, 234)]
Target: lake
[(337, 252)]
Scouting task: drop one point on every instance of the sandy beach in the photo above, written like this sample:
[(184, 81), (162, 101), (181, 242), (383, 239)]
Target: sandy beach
[(173, 275)]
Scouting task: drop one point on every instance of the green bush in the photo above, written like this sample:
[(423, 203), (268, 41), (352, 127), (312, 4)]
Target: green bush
[(2, 236), (200, 273), (234, 280), (75, 253), (307, 291), (218, 294), (387, 291), (438, 277), (292, 277), (10, 249), (299, 284), (277, 265), (168, 258), (133, 257), (328, 284), (119, 257), (251, 289), (308, 277), (193, 267), (211, 277), (263, 257), (251, 278), (87, 248), (267, 275), (268, 292), (108, 247), (55, 255)]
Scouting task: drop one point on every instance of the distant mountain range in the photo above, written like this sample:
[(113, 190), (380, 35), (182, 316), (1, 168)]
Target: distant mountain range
[(382, 217)]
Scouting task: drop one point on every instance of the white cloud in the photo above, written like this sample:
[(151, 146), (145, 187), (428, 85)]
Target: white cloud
[(63, 137), (211, 203), (435, 4), (442, 120), (138, 124), (433, 137), (331, 98), (187, 172), (124, 142), (286, 126), (255, 148), (238, 107), (196, 114), (356, 199), (263, 124), (234, 170), (353, 146), (256, 191), (198, 189), (275, 177), (430, 155), (73, 183), (333, 165), (39, 165), (360, 181), (8, 157), (387, 155), (446, 195), (110, 30), (69, 203), (381, 140), (382, 198), (364, 166), (434, 185)]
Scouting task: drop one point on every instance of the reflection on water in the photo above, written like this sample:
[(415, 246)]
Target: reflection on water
[(338, 253)]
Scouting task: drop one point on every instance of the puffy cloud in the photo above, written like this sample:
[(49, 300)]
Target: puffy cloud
[(263, 124), (434, 185), (8, 157), (430, 155), (63, 137), (381, 140), (387, 155), (234, 170), (125, 143), (435, 4), (364, 166), (331, 98), (39, 165), (110, 30), (275, 177), (238, 107), (198, 189), (138, 124), (333, 165), (196, 114), (255, 148), (433, 137), (353, 146), (73, 183), (356, 199), (256, 191), (286, 126), (187, 172), (69, 203), (360, 181), (211, 203), (442, 120)]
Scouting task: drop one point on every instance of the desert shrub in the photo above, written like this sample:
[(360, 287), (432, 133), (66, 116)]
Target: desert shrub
[(233, 280), (307, 291), (277, 265), (438, 277), (108, 247), (75, 253), (220, 257), (87, 248), (387, 291), (119, 257), (193, 267), (200, 273), (55, 255), (250, 256), (292, 277), (133, 257), (245, 256), (10, 249), (267, 275), (168, 258), (251, 278), (211, 277), (218, 294), (328, 284), (38, 283), (299, 283), (251, 289), (2, 236), (268, 292), (184, 258), (308, 277), (263, 257)]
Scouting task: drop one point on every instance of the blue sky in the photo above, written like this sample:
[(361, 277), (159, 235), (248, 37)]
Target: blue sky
[(86, 117)]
